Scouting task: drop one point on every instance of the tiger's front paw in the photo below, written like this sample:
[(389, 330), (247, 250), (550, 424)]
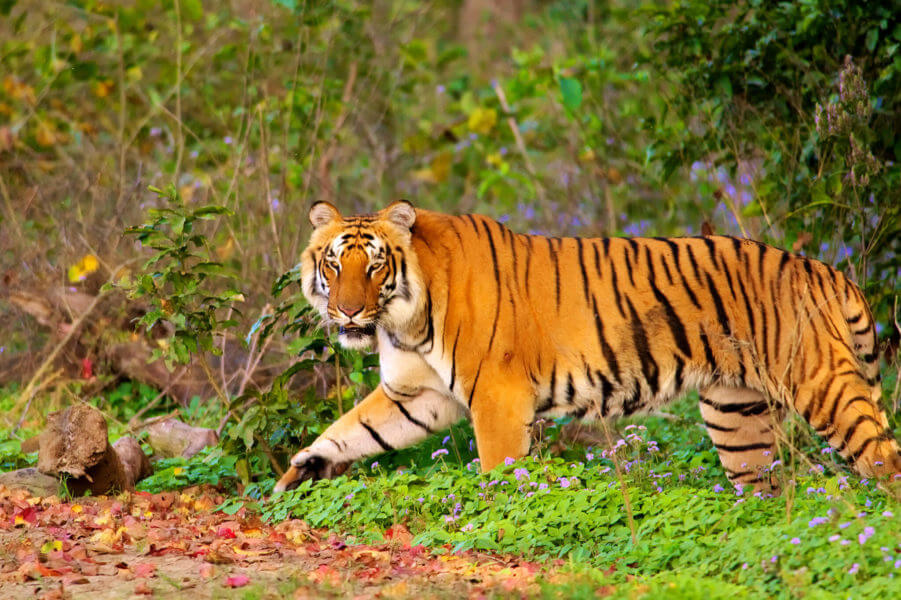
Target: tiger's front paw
[(308, 465)]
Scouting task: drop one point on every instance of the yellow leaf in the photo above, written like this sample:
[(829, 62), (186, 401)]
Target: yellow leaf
[(225, 251), (587, 155), (482, 120), (102, 89), (135, 73), (437, 171), (495, 159), (18, 90), (177, 471), (87, 265), (76, 508), (45, 134), (75, 44), (187, 192)]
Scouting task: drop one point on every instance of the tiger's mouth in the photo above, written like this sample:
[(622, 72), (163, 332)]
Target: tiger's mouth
[(359, 331)]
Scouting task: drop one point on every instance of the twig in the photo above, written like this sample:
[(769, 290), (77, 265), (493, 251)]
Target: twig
[(30, 389), (328, 190), (264, 150), (133, 422), (252, 363), (53, 377), (517, 136), (180, 136), (10, 213), (267, 450), (122, 114), (622, 483)]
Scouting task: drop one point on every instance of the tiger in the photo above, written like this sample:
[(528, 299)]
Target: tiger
[(471, 320)]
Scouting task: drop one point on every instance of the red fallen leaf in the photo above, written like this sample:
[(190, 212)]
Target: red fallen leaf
[(226, 532), (399, 533), (336, 543), (45, 572), (28, 515), (87, 368), (144, 569), (236, 581)]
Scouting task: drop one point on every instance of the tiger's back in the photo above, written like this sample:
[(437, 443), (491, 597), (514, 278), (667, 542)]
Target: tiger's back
[(519, 326)]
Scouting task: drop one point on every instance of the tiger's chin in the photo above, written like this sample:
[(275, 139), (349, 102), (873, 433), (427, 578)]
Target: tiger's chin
[(357, 337)]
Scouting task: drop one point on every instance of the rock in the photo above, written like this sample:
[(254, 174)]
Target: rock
[(37, 483), (172, 437)]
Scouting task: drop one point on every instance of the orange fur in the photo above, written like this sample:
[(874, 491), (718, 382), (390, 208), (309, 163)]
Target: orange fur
[(506, 326)]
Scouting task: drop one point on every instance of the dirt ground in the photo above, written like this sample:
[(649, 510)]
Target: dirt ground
[(173, 545)]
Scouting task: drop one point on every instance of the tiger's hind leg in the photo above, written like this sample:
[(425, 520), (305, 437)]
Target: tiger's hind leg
[(843, 407), (742, 423)]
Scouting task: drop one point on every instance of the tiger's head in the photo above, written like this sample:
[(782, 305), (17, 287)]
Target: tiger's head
[(360, 272)]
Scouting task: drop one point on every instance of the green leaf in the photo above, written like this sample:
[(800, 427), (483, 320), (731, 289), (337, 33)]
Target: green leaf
[(752, 209), (208, 268), (192, 9), (872, 39), (208, 212), (571, 90)]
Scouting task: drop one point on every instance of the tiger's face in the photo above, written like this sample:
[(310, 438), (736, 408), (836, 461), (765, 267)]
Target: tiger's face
[(360, 273)]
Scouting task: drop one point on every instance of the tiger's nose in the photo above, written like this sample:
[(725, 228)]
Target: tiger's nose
[(350, 310)]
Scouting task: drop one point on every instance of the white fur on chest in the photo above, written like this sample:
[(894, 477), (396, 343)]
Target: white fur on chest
[(408, 371)]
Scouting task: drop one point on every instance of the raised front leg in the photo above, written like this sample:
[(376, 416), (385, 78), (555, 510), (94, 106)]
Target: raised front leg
[(380, 422), (502, 418)]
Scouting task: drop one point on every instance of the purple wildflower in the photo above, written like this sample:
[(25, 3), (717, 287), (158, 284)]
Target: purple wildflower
[(439, 452)]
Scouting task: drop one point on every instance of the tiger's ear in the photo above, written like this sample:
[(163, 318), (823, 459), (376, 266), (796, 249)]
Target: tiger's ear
[(323, 213), (401, 213)]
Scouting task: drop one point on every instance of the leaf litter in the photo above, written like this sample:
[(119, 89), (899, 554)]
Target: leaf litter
[(169, 544)]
